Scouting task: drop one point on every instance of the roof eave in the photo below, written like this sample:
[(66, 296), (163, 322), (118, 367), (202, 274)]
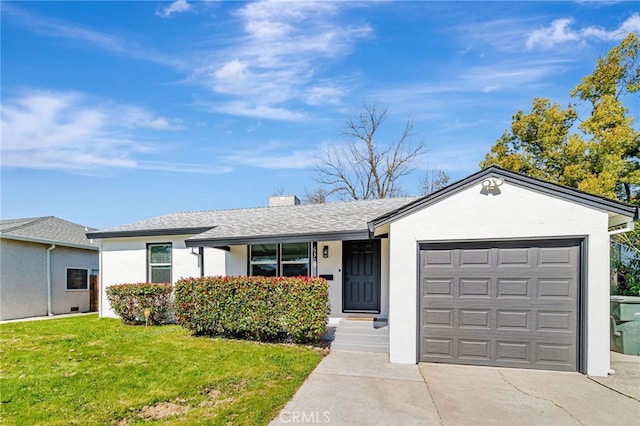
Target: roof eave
[(559, 191), (278, 238), (49, 242), (149, 232)]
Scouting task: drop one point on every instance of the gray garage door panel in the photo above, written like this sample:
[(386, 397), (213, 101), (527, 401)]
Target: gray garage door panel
[(507, 304)]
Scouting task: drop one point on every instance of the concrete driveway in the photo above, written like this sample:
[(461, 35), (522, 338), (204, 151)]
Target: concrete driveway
[(358, 388)]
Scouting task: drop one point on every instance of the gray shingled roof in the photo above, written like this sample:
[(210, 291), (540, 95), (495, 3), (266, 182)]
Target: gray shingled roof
[(241, 226), (47, 230)]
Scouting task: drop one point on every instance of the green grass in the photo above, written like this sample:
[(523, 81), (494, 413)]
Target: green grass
[(86, 370)]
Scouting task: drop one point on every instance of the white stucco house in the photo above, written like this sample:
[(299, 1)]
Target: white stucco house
[(496, 269), (46, 265)]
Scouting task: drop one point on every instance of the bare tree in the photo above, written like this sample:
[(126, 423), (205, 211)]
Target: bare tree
[(278, 191), (434, 180), (316, 196), (364, 168)]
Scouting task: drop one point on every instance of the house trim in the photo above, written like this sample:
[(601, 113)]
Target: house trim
[(281, 238), (151, 232), (48, 242), (527, 182)]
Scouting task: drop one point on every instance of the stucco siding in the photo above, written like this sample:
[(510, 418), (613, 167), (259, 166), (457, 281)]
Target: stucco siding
[(236, 263), (214, 261), (332, 265), (124, 260), (515, 213), (23, 279), (62, 300)]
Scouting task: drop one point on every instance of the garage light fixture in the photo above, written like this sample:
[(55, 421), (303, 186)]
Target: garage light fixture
[(490, 185)]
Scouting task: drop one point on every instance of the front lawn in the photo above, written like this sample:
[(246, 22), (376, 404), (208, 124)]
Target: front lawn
[(86, 370)]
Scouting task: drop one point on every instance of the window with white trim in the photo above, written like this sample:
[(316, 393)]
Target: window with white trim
[(159, 262), (281, 260), (77, 279)]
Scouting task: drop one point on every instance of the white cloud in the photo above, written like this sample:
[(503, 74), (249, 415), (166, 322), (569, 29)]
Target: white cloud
[(51, 27), (249, 109), (233, 76), (560, 31), (557, 32), (279, 57), (631, 25), (69, 131), (282, 50), (319, 95), (177, 6), (273, 156)]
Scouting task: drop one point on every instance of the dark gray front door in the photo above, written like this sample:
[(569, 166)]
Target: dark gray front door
[(510, 304), (361, 276)]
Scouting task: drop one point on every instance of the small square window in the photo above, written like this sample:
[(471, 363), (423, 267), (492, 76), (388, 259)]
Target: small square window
[(77, 279)]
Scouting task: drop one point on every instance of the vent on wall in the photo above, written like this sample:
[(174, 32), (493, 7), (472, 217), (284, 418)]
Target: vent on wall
[(75, 309)]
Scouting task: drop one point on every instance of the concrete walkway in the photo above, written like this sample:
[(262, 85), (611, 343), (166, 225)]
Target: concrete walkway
[(627, 375), (359, 388), (45, 317)]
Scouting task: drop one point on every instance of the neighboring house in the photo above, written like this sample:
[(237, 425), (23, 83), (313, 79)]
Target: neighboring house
[(45, 267), (496, 269)]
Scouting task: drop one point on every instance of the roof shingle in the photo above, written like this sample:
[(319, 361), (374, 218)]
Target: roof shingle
[(263, 222), (48, 230)]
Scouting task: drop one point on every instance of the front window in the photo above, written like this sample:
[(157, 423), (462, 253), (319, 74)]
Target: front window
[(159, 263), (77, 279), (264, 260), (295, 259), (283, 260)]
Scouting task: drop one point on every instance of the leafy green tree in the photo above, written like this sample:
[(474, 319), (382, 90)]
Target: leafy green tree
[(625, 263), (601, 155)]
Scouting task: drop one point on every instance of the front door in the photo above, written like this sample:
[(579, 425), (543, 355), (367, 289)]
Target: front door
[(361, 276)]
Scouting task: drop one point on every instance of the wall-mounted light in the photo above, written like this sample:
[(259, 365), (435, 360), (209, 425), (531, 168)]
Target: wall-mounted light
[(325, 251), (490, 185)]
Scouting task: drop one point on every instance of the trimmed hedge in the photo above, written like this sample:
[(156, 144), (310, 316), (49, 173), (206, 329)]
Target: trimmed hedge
[(129, 301), (260, 308)]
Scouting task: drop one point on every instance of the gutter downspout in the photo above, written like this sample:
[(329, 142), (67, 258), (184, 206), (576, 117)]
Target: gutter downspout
[(49, 250)]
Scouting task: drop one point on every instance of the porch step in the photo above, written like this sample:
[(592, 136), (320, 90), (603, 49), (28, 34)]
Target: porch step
[(361, 336), (359, 347)]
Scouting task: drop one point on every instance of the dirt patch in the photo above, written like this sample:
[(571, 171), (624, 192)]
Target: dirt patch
[(213, 398), (162, 410)]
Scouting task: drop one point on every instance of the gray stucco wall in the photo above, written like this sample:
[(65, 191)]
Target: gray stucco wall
[(62, 300), (23, 279)]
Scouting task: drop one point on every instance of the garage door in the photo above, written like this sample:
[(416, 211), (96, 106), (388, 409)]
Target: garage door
[(511, 304)]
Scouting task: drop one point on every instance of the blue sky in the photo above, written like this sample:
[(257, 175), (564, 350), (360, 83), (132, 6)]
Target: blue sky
[(114, 112)]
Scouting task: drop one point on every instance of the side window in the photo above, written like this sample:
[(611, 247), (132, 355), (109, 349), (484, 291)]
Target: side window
[(77, 279), (159, 262)]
